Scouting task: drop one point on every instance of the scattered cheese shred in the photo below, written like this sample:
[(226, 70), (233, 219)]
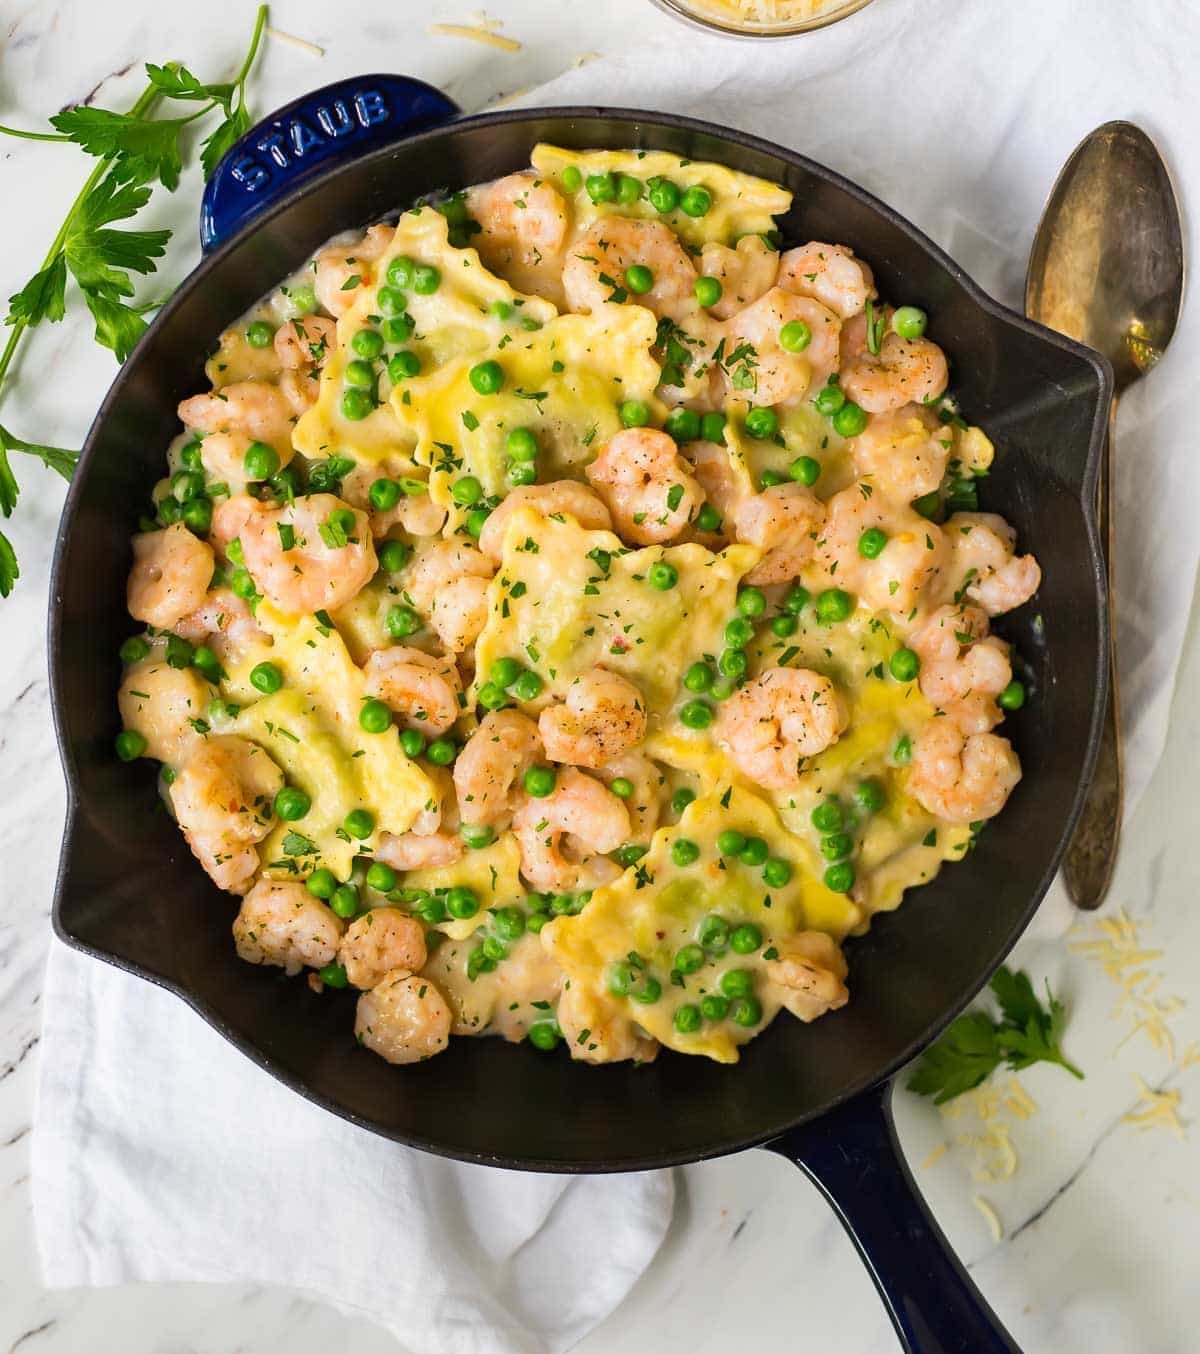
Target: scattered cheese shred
[(1018, 1101), (506, 99), (1191, 1055), (990, 1214), (995, 1156), (293, 41), (584, 59), (481, 32), (1118, 947), (1160, 1109), (935, 1156)]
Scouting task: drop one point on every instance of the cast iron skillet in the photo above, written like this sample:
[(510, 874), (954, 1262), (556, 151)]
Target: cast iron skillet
[(129, 891)]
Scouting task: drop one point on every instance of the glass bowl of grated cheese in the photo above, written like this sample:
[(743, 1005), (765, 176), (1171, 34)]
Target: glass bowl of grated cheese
[(762, 18)]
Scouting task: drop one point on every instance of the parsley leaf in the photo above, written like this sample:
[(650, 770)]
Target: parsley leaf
[(43, 297)]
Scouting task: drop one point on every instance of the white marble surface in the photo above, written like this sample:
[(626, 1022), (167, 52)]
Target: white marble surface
[(1102, 1220)]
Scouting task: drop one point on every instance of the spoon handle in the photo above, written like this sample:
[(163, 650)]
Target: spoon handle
[(1088, 867)]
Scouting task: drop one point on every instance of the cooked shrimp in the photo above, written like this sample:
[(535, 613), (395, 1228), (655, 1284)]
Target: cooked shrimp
[(829, 273), (602, 717), (315, 570), (304, 343), (962, 777), (415, 514), (745, 272), (595, 1031), (224, 622), (564, 835), (996, 578), (647, 485), (223, 800), (722, 488), (903, 453), (780, 376), (810, 973), (440, 810), (963, 669), (170, 576), (281, 923), (523, 220), (777, 720), (380, 940), (257, 409), (903, 371), (419, 851), (449, 584), (403, 1018), (644, 804), (567, 498), (164, 704), (597, 262), (229, 517), (784, 521), (487, 771), (342, 271), (425, 690)]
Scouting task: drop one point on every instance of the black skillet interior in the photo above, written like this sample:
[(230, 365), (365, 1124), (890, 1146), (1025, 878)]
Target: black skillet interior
[(130, 892)]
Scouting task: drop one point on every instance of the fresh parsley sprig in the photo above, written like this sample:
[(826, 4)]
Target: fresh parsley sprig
[(975, 1045), (135, 152)]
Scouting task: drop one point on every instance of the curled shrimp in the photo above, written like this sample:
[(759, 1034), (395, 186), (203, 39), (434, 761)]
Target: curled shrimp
[(522, 219), (257, 409), (449, 583), (564, 836), (381, 940), (963, 669), (597, 1032), (809, 974), (779, 375), (566, 497), (829, 273), (281, 923), (170, 576), (224, 622), (487, 771), (304, 343), (425, 690), (403, 1018), (597, 262), (903, 371), (778, 719), (341, 272), (419, 851), (996, 577), (223, 799), (229, 517), (164, 704), (961, 777), (722, 488), (903, 453), (784, 521), (415, 514), (324, 565), (745, 273), (647, 485), (644, 804), (602, 717)]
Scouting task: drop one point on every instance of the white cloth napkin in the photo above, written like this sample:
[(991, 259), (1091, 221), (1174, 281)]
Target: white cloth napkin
[(160, 1153)]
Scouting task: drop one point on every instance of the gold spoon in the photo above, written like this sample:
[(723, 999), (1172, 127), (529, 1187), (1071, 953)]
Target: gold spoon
[(1107, 269)]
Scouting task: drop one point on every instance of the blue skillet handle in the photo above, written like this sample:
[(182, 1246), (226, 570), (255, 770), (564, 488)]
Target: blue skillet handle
[(337, 123), (853, 1157)]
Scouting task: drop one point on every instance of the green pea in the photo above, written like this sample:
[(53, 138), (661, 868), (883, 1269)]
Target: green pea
[(384, 494), (393, 556), (904, 665), (737, 982), (207, 662), (477, 835), (381, 877), (795, 336), (909, 322), (467, 491), (322, 883), (730, 842), (770, 478), (266, 677), (359, 823), (601, 187), (733, 663), (522, 473), (509, 923), (639, 279), (571, 178), (687, 1019), (829, 399), (696, 201), (663, 194), (504, 672), (461, 902), (345, 901), (796, 600), (902, 752), (708, 518), (179, 653), (634, 413), (521, 444), (400, 271), (260, 461), (834, 605), (872, 542), (840, 878), (713, 933), (291, 804), (356, 404), (622, 787), (333, 975), (441, 752), (431, 910), (746, 1011), (303, 300), (130, 745), (1012, 697), (754, 852), (828, 816), (696, 715), (683, 424), (684, 852), (191, 457), (401, 621), (698, 678), (837, 847), (528, 686), (359, 373), (426, 279), (197, 515), (869, 796), (689, 959), (713, 1007), (739, 632), (662, 575), (403, 365), (708, 291), (242, 585), (260, 334), (762, 422), (479, 961), (649, 992), (629, 189), (412, 741), (540, 781), (475, 520), (777, 873), (712, 427), (621, 977), (784, 626), (367, 343), (487, 378), (850, 420), (545, 1034), (491, 696), (375, 717), (562, 904), (681, 799), (135, 648)]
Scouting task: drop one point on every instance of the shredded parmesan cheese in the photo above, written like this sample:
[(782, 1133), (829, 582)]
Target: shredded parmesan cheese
[(990, 1214), (293, 41), (1018, 1101), (995, 1156), (1160, 1109), (481, 32), (1191, 1055), (935, 1156)]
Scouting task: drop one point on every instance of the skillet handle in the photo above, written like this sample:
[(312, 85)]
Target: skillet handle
[(853, 1157), (339, 122)]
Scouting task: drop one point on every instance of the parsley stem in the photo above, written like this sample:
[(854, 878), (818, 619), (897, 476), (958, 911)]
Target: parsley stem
[(33, 136), (260, 23)]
